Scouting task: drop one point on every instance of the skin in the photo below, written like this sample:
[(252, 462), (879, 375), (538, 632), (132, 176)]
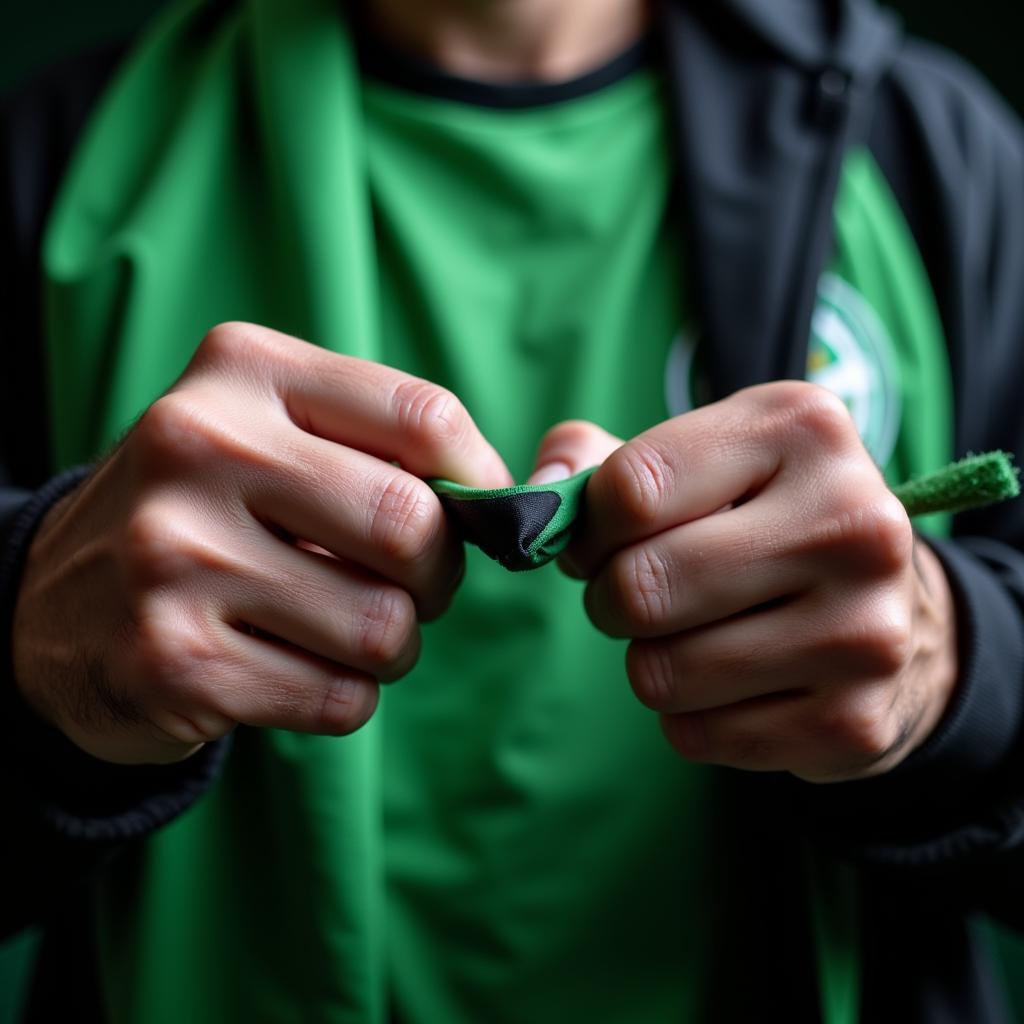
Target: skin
[(260, 549), (248, 553), (513, 40), (781, 615)]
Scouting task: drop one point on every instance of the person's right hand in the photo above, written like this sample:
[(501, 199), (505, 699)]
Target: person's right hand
[(250, 553)]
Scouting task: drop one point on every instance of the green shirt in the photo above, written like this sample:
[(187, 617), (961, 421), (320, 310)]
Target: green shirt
[(541, 837), (545, 848)]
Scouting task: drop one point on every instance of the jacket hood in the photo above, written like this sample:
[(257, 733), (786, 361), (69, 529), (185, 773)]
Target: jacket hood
[(768, 96), (851, 36)]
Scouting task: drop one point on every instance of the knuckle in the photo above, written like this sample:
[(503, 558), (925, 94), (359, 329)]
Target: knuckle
[(250, 355), (436, 597), (874, 642), (886, 534), (863, 726), (173, 659), (184, 434), (193, 728), (820, 410), (226, 342), (640, 479), (651, 673), (812, 411), (641, 587), (406, 521), (887, 647), (686, 734), (348, 704), (387, 631), (570, 435), (160, 549), (749, 749), (872, 532), (150, 551), (431, 416), (172, 432)]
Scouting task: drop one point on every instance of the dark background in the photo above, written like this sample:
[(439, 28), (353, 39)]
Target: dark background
[(33, 34)]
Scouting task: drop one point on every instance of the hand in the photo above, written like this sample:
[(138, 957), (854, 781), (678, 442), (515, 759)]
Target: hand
[(248, 553), (781, 615)]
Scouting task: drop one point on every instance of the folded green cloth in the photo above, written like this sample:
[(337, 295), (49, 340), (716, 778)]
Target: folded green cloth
[(521, 527), (527, 526)]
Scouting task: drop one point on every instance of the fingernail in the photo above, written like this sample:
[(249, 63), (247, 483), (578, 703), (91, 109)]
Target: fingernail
[(551, 473)]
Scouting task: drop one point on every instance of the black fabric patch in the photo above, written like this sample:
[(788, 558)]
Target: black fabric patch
[(504, 528)]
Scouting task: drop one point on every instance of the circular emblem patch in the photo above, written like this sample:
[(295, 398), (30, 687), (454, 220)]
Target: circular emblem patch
[(849, 352)]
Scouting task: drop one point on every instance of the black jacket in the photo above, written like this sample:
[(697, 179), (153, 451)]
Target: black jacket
[(767, 98)]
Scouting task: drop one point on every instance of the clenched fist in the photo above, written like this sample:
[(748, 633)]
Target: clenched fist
[(781, 615), (258, 549)]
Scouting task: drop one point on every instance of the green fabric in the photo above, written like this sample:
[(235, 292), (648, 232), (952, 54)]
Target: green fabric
[(973, 482), (554, 535), (970, 483), (835, 918), (17, 958), (528, 263), (509, 838), (214, 183), (877, 251)]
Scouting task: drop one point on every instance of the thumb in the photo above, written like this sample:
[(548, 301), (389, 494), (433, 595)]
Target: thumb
[(570, 448)]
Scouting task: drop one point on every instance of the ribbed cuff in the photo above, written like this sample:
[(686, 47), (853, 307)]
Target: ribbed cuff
[(962, 775), (80, 798), (22, 514), (21, 519), (56, 785)]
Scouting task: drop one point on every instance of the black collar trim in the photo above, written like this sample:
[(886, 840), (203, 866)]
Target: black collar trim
[(383, 62)]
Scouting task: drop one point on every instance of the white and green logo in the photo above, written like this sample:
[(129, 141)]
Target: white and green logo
[(850, 353)]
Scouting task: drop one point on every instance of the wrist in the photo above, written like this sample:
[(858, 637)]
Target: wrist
[(933, 670), (29, 643), (968, 764), (19, 537)]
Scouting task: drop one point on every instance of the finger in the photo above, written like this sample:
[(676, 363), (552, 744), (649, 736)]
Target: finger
[(569, 448), (331, 609), (707, 570), (711, 666), (762, 735), (790, 647), (357, 402), (692, 465), (282, 687), (364, 511), (843, 736), (395, 416)]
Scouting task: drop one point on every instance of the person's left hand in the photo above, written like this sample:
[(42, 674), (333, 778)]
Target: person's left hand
[(782, 616)]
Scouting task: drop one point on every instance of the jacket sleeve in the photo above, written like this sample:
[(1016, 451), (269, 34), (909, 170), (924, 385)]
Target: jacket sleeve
[(954, 155), (62, 810)]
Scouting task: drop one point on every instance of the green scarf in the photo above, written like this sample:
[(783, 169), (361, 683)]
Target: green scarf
[(252, 205), (239, 194)]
